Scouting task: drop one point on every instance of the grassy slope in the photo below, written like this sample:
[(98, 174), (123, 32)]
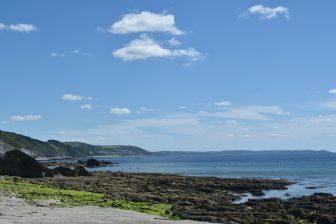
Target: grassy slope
[(109, 149), (53, 148), (40, 148), (34, 192)]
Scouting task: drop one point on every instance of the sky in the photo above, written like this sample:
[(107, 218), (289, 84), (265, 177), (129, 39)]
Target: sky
[(169, 74)]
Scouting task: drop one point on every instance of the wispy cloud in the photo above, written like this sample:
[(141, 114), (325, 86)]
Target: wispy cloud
[(145, 22), (120, 111), (26, 117), (332, 91), (174, 42), (71, 97), (146, 47), (147, 109), (254, 112), (57, 55), (75, 51), (329, 104), (266, 12), (86, 106), (198, 132), (21, 27), (223, 103)]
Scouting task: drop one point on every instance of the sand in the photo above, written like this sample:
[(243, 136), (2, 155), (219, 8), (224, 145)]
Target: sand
[(14, 210)]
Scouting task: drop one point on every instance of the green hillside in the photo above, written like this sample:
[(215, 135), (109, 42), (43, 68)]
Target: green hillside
[(102, 150), (54, 148)]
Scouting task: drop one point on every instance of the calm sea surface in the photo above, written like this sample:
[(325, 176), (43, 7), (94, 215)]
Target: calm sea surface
[(312, 170)]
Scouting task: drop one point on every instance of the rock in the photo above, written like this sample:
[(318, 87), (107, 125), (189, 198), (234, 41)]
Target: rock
[(67, 172), (81, 162), (323, 194), (92, 163), (324, 219), (63, 171), (81, 171), (17, 163)]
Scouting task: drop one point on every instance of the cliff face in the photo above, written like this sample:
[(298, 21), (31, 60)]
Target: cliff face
[(52, 148)]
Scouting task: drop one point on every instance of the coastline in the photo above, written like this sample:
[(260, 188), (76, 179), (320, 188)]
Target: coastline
[(176, 196), (205, 199)]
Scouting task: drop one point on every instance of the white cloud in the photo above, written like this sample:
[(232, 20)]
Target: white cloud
[(57, 55), (71, 97), (21, 27), (146, 47), (174, 42), (223, 103), (145, 22), (26, 117), (120, 111), (254, 112), (182, 107), (86, 106), (332, 91), (267, 12), (190, 53), (4, 122)]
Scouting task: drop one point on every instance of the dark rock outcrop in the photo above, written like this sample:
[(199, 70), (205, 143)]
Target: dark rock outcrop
[(81, 171), (86, 163), (67, 172), (17, 163), (92, 163), (63, 171)]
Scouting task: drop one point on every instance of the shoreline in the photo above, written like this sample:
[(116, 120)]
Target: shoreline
[(207, 199)]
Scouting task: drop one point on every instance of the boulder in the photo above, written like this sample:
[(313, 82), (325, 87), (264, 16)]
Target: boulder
[(67, 172), (95, 163), (92, 163), (17, 163), (63, 171), (81, 171)]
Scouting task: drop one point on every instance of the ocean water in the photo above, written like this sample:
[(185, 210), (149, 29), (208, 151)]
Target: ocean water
[(312, 169)]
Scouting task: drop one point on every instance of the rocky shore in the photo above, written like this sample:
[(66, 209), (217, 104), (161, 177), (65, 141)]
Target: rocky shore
[(206, 198), (196, 198), (82, 162)]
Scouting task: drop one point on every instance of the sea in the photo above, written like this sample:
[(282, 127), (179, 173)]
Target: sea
[(311, 171)]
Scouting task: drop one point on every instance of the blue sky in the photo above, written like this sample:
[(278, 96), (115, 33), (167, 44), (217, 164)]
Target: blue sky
[(171, 75)]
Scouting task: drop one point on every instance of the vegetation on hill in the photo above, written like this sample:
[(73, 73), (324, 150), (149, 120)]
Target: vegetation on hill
[(54, 148), (102, 150)]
